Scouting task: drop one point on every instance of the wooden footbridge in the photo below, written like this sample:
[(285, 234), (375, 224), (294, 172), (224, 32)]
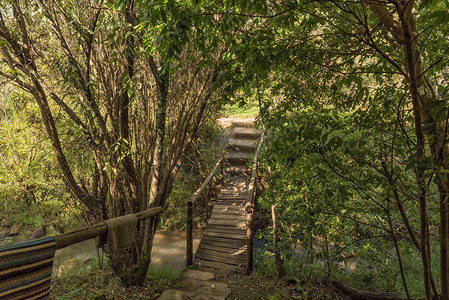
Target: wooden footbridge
[(226, 243), (227, 238)]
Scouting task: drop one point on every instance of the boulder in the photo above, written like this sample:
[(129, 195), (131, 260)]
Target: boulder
[(6, 222), (4, 233), (14, 230), (38, 233)]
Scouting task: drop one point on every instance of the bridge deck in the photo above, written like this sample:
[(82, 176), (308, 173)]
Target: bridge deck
[(223, 245)]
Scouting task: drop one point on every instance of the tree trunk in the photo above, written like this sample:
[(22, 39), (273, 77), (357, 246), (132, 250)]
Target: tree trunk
[(405, 32), (279, 261)]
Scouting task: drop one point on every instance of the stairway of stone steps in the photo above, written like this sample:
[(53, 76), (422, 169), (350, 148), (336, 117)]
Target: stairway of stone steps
[(223, 246)]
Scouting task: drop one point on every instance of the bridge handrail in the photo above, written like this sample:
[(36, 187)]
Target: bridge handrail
[(249, 208), (252, 182), (206, 181), (189, 229), (86, 233)]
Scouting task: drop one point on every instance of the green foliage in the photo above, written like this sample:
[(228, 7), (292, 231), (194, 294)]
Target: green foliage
[(341, 141), (32, 191), (199, 161)]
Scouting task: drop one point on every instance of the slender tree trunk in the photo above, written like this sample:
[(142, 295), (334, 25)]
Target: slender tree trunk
[(404, 31), (155, 197), (398, 252), (279, 261)]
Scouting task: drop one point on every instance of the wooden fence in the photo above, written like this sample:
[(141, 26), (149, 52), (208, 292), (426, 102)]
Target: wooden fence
[(90, 232)]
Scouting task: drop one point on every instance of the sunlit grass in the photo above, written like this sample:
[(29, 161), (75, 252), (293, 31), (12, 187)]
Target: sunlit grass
[(235, 110)]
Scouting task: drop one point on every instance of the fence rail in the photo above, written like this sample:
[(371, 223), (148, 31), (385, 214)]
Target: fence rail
[(90, 232)]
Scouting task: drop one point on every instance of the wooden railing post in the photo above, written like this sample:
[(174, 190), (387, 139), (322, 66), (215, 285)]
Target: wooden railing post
[(189, 232), (249, 239), (189, 229), (222, 171), (250, 202)]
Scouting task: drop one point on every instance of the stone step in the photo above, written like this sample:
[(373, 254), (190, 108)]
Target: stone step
[(244, 123), (246, 132), (195, 284), (243, 145)]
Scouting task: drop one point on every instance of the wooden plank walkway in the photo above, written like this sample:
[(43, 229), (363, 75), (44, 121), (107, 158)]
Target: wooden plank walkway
[(223, 246)]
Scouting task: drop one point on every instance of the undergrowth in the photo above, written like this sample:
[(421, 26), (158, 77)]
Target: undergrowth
[(379, 273), (93, 280)]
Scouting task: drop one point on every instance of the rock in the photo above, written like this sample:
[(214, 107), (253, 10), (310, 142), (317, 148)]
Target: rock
[(199, 275), (197, 285), (173, 295), (6, 222), (4, 234), (14, 230), (39, 233)]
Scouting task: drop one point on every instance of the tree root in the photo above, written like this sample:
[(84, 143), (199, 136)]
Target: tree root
[(362, 295)]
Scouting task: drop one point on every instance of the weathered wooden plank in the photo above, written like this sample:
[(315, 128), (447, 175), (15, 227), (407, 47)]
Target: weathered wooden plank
[(229, 210), (229, 199), (230, 207), (224, 248), (232, 196), (214, 264), (226, 229), (229, 261), (218, 239), (235, 203), (240, 204), (233, 220), (235, 191), (226, 243), (231, 217), (228, 216), (220, 256), (237, 170), (237, 213), (230, 223), (236, 254), (226, 235)]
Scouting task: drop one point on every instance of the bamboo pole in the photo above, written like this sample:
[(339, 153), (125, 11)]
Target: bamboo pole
[(90, 232)]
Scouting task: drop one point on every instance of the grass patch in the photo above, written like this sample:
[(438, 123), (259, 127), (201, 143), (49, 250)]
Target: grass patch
[(91, 281), (236, 110)]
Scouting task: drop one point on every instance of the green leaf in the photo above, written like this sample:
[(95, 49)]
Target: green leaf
[(439, 17)]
